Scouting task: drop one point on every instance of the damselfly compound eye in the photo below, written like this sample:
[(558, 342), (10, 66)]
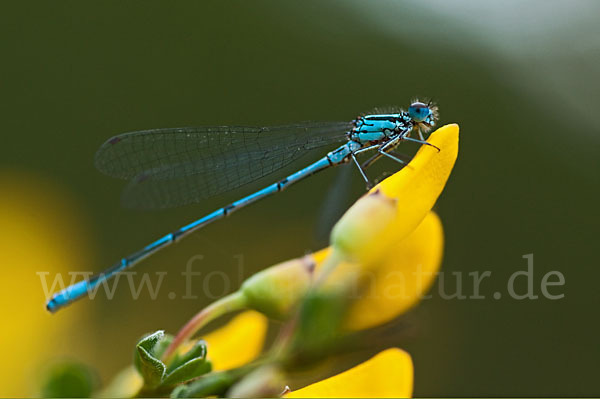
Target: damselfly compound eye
[(418, 111)]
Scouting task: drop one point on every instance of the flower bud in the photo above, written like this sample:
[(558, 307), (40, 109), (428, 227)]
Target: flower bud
[(277, 289), (264, 382), (272, 292), (360, 235)]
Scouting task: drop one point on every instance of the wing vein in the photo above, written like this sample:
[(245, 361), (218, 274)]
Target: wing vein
[(172, 167)]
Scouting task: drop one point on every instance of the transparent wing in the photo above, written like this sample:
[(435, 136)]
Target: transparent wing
[(172, 167)]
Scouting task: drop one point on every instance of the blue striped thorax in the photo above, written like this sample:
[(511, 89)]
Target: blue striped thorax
[(376, 128)]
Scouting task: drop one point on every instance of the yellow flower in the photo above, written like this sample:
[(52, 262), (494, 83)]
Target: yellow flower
[(396, 206), (402, 278), (42, 237), (389, 374), (390, 243), (238, 342)]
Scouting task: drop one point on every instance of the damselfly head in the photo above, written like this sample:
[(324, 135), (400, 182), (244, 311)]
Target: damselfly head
[(419, 111), (423, 115)]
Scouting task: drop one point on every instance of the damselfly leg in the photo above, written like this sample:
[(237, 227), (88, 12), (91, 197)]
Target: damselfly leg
[(362, 172), (422, 142)]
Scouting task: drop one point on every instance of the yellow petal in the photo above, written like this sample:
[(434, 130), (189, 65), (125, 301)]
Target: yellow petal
[(367, 229), (402, 277), (238, 342), (418, 186), (389, 374), (320, 256)]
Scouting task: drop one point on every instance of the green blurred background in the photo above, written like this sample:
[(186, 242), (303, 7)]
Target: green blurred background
[(520, 78)]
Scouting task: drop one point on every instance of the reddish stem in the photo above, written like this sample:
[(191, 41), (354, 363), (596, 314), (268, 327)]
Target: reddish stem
[(235, 301)]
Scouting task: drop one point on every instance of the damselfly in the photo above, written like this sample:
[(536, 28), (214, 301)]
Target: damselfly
[(170, 167)]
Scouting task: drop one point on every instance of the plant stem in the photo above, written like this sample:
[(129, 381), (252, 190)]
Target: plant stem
[(229, 303)]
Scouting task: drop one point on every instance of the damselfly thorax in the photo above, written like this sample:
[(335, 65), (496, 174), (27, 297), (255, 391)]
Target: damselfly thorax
[(372, 129)]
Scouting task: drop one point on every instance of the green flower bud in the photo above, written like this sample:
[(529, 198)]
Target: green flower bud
[(365, 228), (276, 290), (273, 292)]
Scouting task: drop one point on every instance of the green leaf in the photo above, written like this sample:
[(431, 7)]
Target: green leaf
[(149, 341), (180, 391), (197, 351), (188, 366), (214, 384), (187, 371), (157, 376), (161, 346), (149, 366), (151, 369)]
